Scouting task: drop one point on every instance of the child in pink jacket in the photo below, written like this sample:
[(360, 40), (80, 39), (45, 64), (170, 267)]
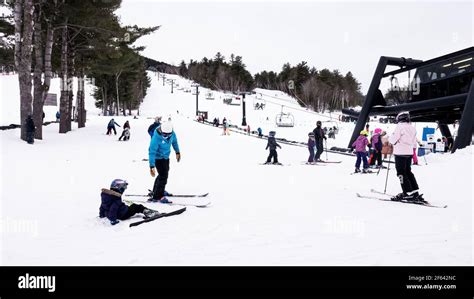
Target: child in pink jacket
[(360, 147), (403, 140)]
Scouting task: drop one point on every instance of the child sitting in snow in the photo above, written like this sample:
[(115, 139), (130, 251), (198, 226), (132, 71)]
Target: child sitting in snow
[(360, 146), (114, 209)]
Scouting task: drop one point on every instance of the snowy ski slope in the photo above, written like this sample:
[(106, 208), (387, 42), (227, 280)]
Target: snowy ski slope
[(260, 215)]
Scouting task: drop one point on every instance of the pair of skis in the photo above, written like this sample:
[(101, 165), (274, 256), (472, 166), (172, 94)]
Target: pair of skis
[(161, 215), (150, 194), (177, 199), (319, 163), (388, 198)]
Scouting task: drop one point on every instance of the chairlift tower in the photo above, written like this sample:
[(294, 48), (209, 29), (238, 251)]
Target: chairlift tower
[(197, 97), (244, 120)]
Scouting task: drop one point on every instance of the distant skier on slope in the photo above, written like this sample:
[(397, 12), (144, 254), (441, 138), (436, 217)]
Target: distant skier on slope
[(153, 126), (360, 146), (126, 132), (404, 140), (311, 145), (376, 142), (159, 157), (272, 144), (111, 126), (114, 209), (319, 136)]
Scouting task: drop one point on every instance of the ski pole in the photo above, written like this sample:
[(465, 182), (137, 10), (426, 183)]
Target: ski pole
[(388, 169)]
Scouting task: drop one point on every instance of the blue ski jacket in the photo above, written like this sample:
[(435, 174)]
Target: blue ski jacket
[(160, 147)]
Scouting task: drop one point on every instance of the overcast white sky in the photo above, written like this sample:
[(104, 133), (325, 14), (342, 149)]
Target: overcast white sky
[(343, 35)]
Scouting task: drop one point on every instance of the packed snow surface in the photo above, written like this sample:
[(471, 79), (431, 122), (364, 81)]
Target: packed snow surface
[(260, 215)]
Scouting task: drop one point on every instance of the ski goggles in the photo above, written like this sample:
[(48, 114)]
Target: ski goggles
[(166, 135)]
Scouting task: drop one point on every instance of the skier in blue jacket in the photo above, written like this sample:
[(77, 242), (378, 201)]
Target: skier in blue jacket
[(114, 209), (111, 126), (159, 158)]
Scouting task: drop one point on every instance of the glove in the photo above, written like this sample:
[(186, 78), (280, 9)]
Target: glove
[(114, 222), (152, 171), (178, 156)]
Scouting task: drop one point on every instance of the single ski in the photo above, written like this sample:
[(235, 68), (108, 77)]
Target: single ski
[(368, 172), (334, 162), (140, 160), (426, 204), (312, 164), (150, 194), (380, 192), (202, 204), (276, 164), (188, 195), (177, 212)]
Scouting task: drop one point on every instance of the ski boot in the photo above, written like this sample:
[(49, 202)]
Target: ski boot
[(420, 199), (399, 197), (166, 193), (164, 200), (148, 213), (277, 163), (366, 170), (357, 170), (415, 198)]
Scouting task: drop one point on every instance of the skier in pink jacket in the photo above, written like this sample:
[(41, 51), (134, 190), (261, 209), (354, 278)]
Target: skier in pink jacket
[(404, 140)]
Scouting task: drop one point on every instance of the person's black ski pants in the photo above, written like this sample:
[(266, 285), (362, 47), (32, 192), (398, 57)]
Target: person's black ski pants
[(274, 155), (163, 168), (407, 179), (319, 149), (132, 210)]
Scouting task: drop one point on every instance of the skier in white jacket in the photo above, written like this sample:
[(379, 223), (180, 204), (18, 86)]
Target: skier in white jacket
[(403, 140)]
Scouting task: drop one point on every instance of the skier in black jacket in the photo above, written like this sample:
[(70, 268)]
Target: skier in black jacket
[(272, 144), (319, 136)]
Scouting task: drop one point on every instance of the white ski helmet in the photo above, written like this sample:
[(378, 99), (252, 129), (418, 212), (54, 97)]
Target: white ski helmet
[(403, 117), (166, 127)]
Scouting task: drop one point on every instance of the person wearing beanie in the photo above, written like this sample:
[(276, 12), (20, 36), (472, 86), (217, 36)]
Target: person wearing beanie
[(159, 152)]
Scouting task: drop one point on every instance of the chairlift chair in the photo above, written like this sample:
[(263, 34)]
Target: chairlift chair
[(209, 96), (285, 120)]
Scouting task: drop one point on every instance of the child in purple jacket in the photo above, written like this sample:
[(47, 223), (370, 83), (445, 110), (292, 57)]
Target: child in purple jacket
[(360, 146), (311, 145)]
